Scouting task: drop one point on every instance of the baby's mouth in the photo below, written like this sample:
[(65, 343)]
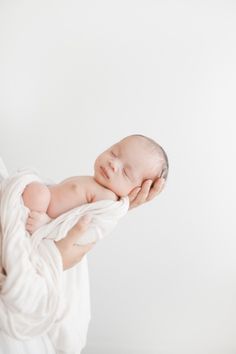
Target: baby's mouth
[(104, 172)]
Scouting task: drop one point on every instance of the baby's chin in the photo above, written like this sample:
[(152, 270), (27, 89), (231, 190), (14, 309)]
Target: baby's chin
[(115, 190), (120, 193), (104, 183), (100, 181)]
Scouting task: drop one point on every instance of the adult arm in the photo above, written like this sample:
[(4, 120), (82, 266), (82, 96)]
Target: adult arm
[(72, 253), (30, 297)]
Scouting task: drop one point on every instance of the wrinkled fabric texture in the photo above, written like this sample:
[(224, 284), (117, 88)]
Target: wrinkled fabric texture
[(38, 299), (35, 345)]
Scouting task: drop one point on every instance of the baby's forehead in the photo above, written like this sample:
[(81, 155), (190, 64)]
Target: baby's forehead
[(140, 144), (142, 152), (132, 142)]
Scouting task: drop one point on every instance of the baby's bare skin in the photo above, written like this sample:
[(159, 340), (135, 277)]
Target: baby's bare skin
[(117, 172), (75, 191), (48, 202)]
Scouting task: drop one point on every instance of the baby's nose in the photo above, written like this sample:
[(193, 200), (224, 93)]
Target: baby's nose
[(115, 165)]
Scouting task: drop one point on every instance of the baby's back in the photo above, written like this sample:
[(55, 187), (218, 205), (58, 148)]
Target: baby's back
[(75, 191)]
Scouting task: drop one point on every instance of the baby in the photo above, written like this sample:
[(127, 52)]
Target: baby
[(117, 171)]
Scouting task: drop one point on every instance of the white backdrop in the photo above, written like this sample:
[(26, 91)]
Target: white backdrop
[(78, 75)]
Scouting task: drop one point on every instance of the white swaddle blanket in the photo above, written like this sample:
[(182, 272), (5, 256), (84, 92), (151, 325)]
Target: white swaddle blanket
[(36, 296)]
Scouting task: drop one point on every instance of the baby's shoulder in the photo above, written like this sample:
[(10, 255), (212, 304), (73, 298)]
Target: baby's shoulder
[(88, 185), (100, 192)]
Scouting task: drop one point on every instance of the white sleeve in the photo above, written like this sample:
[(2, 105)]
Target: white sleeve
[(30, 301)]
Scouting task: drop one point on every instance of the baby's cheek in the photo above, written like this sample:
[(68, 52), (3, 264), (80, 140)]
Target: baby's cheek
[(114, 187), (124, 189)]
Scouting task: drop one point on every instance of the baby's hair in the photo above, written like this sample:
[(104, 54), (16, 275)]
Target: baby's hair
[(160, 150)]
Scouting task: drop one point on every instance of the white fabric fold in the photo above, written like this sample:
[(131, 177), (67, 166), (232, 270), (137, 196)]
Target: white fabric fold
[(36, 296)]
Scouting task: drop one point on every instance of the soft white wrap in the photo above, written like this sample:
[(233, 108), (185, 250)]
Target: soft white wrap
[(36, 296)]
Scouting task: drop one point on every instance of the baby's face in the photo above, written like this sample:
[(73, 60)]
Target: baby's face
[(125, 165)]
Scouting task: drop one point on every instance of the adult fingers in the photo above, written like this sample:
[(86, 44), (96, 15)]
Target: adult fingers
[(157, 187), (142, 195), (78, 229), (133, 194), (71, 252)]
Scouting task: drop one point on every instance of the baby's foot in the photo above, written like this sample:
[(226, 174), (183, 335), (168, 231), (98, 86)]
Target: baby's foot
[(35, 220)]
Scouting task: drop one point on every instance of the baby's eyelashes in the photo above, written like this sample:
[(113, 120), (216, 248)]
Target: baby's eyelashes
[(127, 175)]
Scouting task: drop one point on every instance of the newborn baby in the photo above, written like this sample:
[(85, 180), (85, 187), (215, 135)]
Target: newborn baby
[(117, 171)]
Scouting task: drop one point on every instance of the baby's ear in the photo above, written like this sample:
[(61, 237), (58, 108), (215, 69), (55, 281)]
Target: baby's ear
[(156, 179), (163, 173), (153, 182)]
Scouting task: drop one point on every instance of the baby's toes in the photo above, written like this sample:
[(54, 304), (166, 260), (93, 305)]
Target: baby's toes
[(34, 214), (29, 228), (30, 222)]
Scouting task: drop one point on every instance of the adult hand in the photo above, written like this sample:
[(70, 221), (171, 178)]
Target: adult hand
[(146, 192), (71, 252)]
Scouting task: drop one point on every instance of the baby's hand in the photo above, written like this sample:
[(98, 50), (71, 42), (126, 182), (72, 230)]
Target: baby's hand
[(35, 220)]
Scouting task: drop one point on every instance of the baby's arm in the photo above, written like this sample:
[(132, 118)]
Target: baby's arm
[(36, 197)]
